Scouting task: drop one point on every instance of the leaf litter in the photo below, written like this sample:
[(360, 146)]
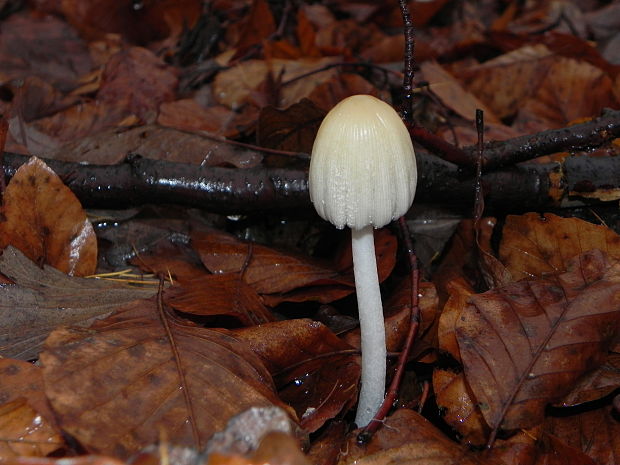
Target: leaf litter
[(519, 334)]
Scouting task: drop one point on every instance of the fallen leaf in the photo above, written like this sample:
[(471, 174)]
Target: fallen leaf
[(25, 433), (595, 432), (453, 95), (458, 406), (223, 294), (189, 115), (151, 141), (524, 345), (42, 299), (269, 271), (25, 380), (157, 82), (315, 374), (293, 129), (44, 219), (596, 384), (258, 25), (407, 438), (118, 385), (44, 46), (534, 245)]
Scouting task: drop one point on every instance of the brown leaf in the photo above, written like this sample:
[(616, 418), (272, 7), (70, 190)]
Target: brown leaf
[(258, 25), (460, 292), (269, 271), (524, 345), (42, 299), (503, 83), (314, 375), (596, 384), (408, 438), (224, 294), (44, 46), (189, 115), (151, 141), (149, 22), (81, 460), (118, 385), (292, 129), (25, 433), (595, 432), (559, 97), (534, 245), (458, 406), (453, 95), (158, 82), (23, 379), (234, 87), (45, 220)]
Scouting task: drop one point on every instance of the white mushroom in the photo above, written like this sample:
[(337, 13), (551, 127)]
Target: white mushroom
[(362, 175)]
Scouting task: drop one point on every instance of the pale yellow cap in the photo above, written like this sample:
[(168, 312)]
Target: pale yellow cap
[(363, 170)]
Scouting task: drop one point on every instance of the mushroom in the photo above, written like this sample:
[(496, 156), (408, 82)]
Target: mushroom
[(363, 175)]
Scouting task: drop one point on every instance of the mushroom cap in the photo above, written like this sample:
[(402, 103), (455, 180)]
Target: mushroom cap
[(363, 170)]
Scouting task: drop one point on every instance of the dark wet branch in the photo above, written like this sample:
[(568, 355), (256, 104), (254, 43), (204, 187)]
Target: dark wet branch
[(140, 181)]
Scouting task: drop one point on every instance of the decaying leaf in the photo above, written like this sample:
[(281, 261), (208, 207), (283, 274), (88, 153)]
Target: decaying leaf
[(45, 220), (534, 245), (24, 432), (223, 294), (316, 372), (42, 299), (524, 345), (596, 384), (118, 385)]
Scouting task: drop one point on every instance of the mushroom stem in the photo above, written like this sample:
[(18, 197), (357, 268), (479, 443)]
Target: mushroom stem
[(372, 325)]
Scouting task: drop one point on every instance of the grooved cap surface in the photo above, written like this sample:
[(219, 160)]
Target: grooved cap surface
[(363, 170)]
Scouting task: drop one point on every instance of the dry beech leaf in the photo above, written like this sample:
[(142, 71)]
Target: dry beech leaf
[(460, 292), (504, 82), (408, 438), (452, 94), (189, 115), (235, 86), (596, 384), (257, 26), (81, 460), (269, 271), (293, 129), (23, 379), (314, 375), (42, 299), (45, 220), (594, 432), (24, 432), (225, 294), (458, 407), (117, 386), (559, 96), (524, 345), (151, 141), (534, 245), (158, 82)]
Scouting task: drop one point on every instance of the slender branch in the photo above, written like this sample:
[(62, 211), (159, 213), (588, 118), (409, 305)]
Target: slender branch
[(406, 105)]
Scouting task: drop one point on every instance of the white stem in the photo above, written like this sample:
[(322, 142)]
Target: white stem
[(371, 324)]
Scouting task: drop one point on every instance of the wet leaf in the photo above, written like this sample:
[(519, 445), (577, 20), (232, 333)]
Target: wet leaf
[(25, 380), (268, 271), (189, 115), (408, 438), (292, 129), (595, 432), (225, 294), (116, 386), (534, 245), (45, 220), (524, 345), (25, 433), (44, 46), (42, 299), (316, 372), (157, 80), (596, 384)]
